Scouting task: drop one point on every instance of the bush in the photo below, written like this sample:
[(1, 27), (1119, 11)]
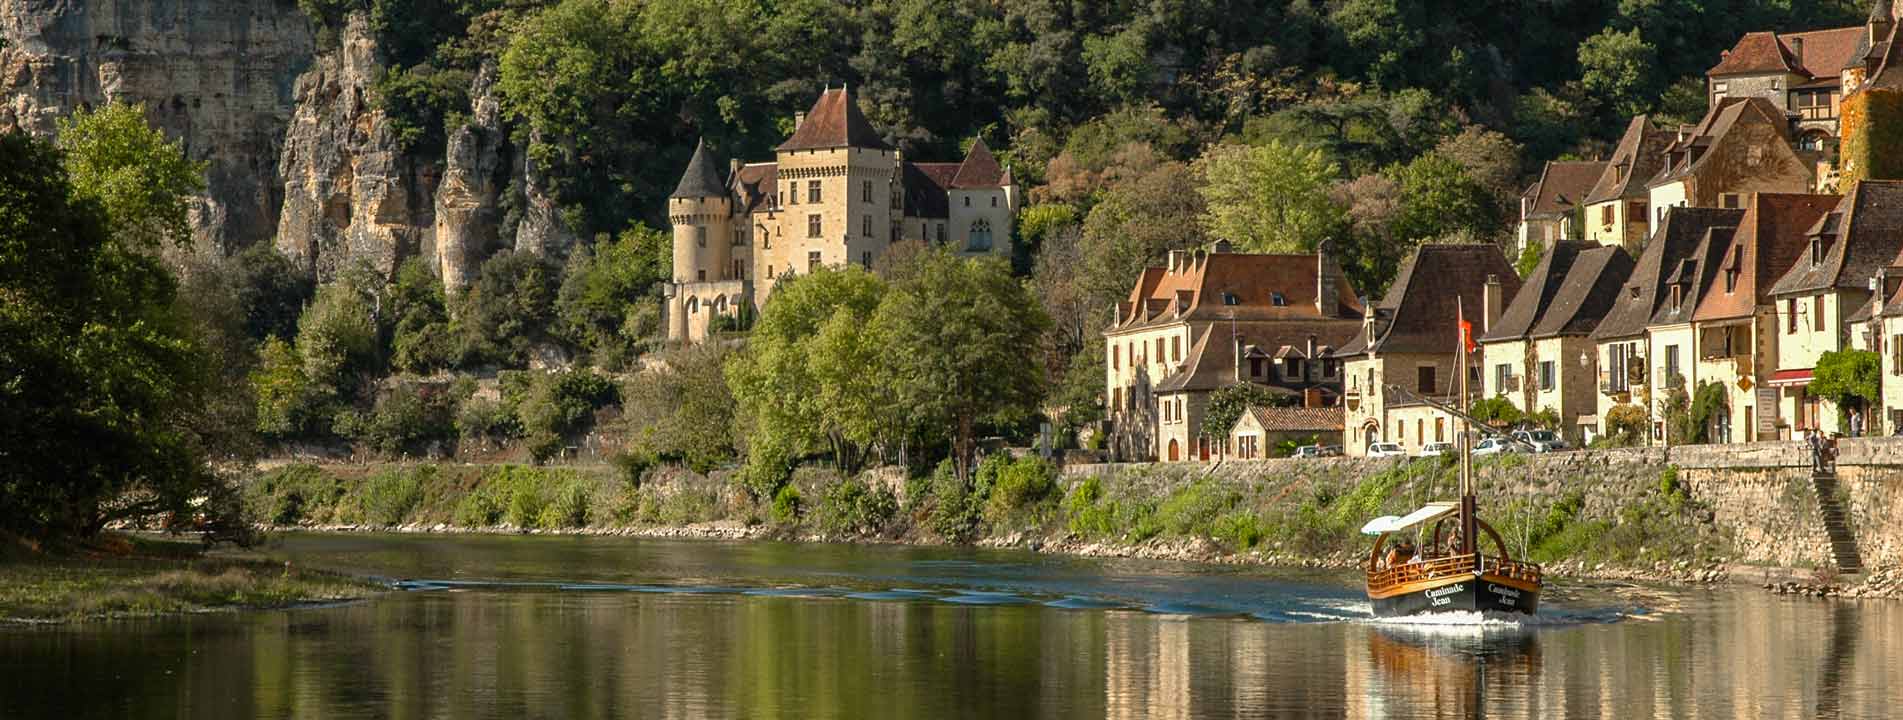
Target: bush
[(290, 494), (552, 407), (387, 497), (1239, 529), (404, 419), (1087, 513), (478, 510), (1626, 425), (850, 508), (1026, 485), (957, 510), (567, 509), (786, 505)]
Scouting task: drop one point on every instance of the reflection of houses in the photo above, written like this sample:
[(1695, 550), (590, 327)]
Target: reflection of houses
[(1211, 319), (1539, 355), (1261, 429), (1616, 211), (1736, 322), (1742, 146), (1817, 298), (835, 194), (1550, 208), (1658, 279), (1409, 339)]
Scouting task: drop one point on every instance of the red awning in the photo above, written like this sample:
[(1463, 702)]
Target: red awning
[(1789, 378)]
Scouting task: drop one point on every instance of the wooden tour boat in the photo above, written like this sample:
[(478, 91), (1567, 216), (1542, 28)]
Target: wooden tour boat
[(1450, 572)]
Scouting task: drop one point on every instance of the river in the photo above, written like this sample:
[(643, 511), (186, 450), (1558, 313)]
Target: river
[(585, 627)]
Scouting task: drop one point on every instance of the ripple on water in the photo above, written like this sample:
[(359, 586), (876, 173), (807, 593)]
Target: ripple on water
[(891, 595), (1084, 603), (973, 597)]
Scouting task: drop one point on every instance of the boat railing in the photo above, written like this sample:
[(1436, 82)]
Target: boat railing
[(1410, 572)]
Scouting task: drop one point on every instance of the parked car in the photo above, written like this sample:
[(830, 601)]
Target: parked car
[(1331, 451), (1308, 451), (1541, 440), (1385, 449), (1495, 446), (1437, 449)]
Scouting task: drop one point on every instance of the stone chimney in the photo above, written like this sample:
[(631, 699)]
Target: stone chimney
[(1176, 261), (1882, 18), (1797, 50), (1327, 295), (733, 169), (1491, 301), (799, 118)]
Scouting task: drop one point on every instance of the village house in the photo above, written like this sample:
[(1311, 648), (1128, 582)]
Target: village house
[(835, 194), (1550, 209), (1736, 319), (1830, 283), (1883, 331), (1540, 355), (1616, 207), (1409, 339), (1262, 429), (1633, 367), (1213, 318), (1743, 145)]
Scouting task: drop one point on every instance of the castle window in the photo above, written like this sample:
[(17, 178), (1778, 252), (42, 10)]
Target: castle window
[(980, 239), (793, 198), (812, 191), (769, 272), (812, 226), (1229, 298), (865, 190), (865, 258), (693, 305), (700, 275), (865, 225), (1278, 299), (700, 235), (739, 238), (941, 233), (994, 201), (739, 270), (812, 261)]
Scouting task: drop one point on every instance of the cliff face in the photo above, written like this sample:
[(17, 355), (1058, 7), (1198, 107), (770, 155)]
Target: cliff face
[(217, 74), (466, 207)]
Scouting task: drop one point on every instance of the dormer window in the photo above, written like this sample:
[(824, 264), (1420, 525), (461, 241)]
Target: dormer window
[(1278, 299), (1816, 251), (1677, 298), (1229, 298)]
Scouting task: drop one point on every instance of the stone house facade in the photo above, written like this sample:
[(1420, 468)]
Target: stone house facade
[(1540, 355), (1213, 318), (1550, 208), (1742, 146), (1617, 207), (1409, 339), (1261, 429), (835, 194)]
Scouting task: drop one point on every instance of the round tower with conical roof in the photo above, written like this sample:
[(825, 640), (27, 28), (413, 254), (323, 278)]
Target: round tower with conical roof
[(701, 211)]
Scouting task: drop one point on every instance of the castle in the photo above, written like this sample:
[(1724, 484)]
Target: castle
[(835, 193)]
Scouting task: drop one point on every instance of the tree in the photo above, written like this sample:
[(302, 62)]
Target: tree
[(682, 411), (98, 371), (953, 341), (1135, 226), (600, 284), (1227, 405), (507, 313), (271, 291), (1269, 198), (1618, 68), (340, 344), (420, 341), (1439, 199), (1848, 378), (143, 183)]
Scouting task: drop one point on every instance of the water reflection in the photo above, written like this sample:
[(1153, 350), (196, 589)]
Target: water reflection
[(542, 651)]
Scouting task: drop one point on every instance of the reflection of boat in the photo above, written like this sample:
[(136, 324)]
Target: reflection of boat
[(1450, 572)]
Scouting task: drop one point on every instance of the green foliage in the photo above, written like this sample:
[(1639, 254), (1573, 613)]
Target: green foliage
[(405, 419), (285, 398), (850, 508), (293, 494), (1545, 418), (1675, 410), (1619, 68), (1439, 200), (420, 342), (957, 512), (1023, 489), (1707, 403), (388, 497), (1848, 378), (601, 284), (507, 313), (1271, 198), (338, 341), (786, 505), (1496, 409), (418, 101), (271, 292), (143, 183), (1529, 258), (682, 412), (1227, 405), (1626, 425), (555, 407)]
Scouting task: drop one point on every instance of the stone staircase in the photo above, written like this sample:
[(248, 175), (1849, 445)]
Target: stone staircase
[(1843, 543)]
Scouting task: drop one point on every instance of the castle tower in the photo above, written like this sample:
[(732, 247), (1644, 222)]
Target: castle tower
[(984, 203), (837, 183), (701, 211)]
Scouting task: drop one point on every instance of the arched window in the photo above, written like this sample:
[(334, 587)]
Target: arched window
[(720, 304), (980, 239), (693, 305)]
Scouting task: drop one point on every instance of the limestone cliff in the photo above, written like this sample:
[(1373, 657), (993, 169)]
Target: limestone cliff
[(541, 231), (466, 207), (351, 195), (216, 74)]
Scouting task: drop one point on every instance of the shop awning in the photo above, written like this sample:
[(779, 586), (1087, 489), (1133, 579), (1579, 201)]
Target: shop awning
[(1790, 378), (1587, 420)]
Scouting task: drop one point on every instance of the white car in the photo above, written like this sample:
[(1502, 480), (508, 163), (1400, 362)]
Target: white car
[(1385, 449), (1541, 440), (1495, 446), (1437, 449)]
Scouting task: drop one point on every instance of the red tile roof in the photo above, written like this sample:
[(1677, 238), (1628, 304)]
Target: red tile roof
[(1637, 157), (758, 185), (1418, 315), (1818, 54), (834, 121), (926, 185), (1770, 239), (1563, 186), (1863, 233), (1298, 419), (980, 168), (1197, 289)]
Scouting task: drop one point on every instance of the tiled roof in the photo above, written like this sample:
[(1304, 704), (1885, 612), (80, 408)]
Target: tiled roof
[(926, 185), (1203, 287), (834, 121), (757, 185), (1693, 275), (1536, 293), (1692, 153), (1563, 186), (1211, 362), (1758, 52), (1863, 233), (1592, 285), (1418, 314), (1637, 158), (980, 168), (1772, 236), (1823, 55), (1298, 419), (702, 178), (1676, 240)]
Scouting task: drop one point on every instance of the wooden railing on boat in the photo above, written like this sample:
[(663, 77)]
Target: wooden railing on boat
[(1413, 572)]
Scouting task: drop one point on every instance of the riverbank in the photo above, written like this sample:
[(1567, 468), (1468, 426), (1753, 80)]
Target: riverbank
[(117, 576), (1623, 516)]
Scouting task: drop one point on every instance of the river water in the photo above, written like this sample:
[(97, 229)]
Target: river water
[(570, 627)]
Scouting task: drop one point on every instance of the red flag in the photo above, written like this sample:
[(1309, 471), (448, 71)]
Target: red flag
[(1467, 336)]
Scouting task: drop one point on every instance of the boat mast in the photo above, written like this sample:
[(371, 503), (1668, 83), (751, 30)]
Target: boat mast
[(1467, 504)]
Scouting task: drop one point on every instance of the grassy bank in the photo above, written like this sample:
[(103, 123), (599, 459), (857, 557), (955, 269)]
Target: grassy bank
[(1306, 512), (118, 576)]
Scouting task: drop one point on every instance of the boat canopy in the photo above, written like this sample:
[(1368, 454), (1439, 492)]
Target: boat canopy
[(1389, 523)]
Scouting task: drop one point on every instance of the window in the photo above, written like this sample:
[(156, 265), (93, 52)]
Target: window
[(812, 261), (1440, 429), (812, 226), (1720, 88), (693, 305), (1229, 298), (794, 196), (1116, 357), (700, 275), (980, 239), (1424, 380), (1817, 251), (812, 191), (1255, 367), (1546, 376), (1605, 215), (1176, 349), (1817, 313), (1813, 104), (967, 201), (1896, 354), (1159, 350), (1637, 210), (769, 272), (1116, 399), (700, 236), (941, 233), (1754, 156), (865, 225), (865, 190), (739, 237), (739, 269), (1732, 201), (1502, 378), (1420, 434), (1671, 363), (994, 201), (865, 258), (1278, 299), (1790, 316)]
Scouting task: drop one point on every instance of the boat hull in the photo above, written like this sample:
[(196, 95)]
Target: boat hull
[(1463, 593)]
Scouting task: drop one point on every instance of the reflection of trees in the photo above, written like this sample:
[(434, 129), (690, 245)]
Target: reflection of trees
[(1838, 654)]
